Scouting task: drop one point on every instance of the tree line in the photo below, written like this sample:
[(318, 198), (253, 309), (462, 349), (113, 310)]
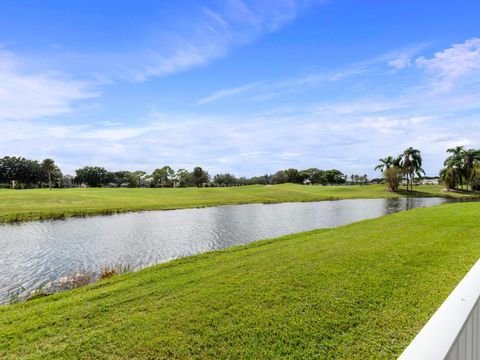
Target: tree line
[(461, 171), (461, 167), (167, 177), (19, 172)]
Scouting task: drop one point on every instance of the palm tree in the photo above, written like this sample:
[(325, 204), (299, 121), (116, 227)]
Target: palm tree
[(385, 163), (455, 162), (456, 151), (48, 165), (462, 162), (449, 177), (411, 164), (453, 172), (469, 158)]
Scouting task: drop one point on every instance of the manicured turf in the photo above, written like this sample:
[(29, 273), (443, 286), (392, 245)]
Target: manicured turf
[(356, 292), (18, 205)]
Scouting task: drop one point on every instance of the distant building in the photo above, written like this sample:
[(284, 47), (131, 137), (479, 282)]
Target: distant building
[(68, 181), (429, 182), (146, 181)]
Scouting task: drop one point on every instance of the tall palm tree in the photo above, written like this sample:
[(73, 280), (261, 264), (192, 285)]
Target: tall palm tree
[(469, 158), (411, 164), (453, 168), (385, 163), (48, 165), (449, 177), (456, 151), (462, 162), (454, 162)]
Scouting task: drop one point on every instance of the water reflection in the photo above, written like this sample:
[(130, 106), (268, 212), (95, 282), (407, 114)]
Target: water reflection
[(40, 251)]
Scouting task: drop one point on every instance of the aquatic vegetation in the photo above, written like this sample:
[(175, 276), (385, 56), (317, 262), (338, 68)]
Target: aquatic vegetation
[(71, 281), (109, 271)]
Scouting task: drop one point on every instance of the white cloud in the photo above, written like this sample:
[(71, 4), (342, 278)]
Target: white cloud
[(401, 62), (451, 65), (26, 95), (362, 106), (112, 135), (391, 124), (220, 94)]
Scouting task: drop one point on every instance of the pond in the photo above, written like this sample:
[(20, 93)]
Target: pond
[(35, 252)]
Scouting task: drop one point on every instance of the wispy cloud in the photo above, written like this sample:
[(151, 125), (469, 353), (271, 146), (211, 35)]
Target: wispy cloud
[(220, 94), (401, 62), (268, 89), (26, 94), (210, 33)]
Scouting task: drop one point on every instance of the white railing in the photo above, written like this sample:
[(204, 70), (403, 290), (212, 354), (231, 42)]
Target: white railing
[(453, 332)]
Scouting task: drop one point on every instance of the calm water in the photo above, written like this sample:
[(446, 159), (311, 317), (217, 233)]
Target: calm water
[(34, 252)]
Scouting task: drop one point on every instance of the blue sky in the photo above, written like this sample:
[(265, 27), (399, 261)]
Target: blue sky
[(247, 87)]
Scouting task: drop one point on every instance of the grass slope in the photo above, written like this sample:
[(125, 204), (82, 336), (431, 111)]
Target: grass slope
[(19, 205), (359, 291)]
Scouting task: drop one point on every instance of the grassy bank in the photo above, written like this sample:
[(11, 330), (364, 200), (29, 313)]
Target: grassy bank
[(20, 205), (359, 291)]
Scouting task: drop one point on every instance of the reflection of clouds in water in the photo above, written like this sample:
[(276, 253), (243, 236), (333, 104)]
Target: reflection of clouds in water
[(47, 250)]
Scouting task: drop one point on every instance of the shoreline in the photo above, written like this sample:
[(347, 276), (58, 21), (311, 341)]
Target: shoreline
[(282, 194)]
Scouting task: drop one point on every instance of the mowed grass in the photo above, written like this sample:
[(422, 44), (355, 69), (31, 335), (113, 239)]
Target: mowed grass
[(20, 205), (361, 291)]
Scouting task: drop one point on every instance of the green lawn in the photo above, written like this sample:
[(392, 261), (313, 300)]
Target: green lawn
[(360, 291), (18, 205)]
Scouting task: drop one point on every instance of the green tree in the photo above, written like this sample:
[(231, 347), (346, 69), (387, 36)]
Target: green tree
[(335, 177), (475, 184), (136, 178), (469, 159), (163, 177), (411, 164), (293, 176), (48, 165), (455, 166), (118, 177), (225, 179), (280, 177), (449, 177), (93, 176), (393, 177), (385, 163), (200, 176), (462, 165), (21, 172), (183, 177), (313, 176)]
